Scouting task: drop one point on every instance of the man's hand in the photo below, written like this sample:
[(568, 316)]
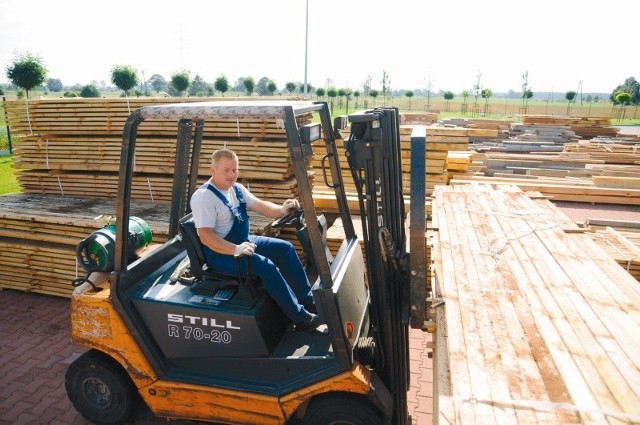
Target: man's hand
[(245, 248), (289, 205)]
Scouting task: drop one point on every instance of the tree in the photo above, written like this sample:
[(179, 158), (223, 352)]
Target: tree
[(385, 87), (309, 88), (630, 86), (124, 77), (90, 91), (199, 87), (525, 90), (27, 71), (54, 84), (448, 95), (486, 94), (356, 94), (570, 96), (347, 94), (341, 93), (272, 87), (222, 84), (374, 93), (476, 92), (180, 81), (320, 92), (261, 87), (158, 83), (249, 84), (291, 87), (332, 93), (623, 99), (465, 95)]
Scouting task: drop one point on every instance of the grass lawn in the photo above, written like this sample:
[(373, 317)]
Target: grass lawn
[(8, 181)]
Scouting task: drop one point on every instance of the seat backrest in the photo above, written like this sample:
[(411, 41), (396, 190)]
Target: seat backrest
[(194, 247)]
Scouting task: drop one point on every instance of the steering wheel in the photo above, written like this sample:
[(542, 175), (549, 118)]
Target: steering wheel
[(294, 218)]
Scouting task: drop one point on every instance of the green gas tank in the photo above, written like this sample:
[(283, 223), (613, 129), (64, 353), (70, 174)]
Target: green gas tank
[(95, 253)]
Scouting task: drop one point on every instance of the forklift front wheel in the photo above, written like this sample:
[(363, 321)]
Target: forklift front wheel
[(100, 389), (342, 408)]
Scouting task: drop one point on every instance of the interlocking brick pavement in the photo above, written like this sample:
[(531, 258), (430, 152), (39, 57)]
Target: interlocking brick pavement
[(36, 349)]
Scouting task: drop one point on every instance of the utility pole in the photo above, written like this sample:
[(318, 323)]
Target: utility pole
[(306, 48)]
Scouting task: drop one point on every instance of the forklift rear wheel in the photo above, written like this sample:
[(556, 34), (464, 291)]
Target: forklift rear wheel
[(342, 409), (100, 389)]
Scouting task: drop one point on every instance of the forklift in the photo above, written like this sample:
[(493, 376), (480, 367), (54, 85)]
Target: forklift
[(195, 344)]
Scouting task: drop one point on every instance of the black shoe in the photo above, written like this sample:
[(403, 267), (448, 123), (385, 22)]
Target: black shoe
[(309, 323), (310, 306)]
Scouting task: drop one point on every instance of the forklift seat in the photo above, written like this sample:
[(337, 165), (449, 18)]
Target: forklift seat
[(206, 280)]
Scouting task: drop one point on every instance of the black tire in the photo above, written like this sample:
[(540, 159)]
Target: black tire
[(100, 389), (342, 409)]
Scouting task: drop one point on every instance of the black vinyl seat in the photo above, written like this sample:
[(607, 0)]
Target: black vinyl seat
[(206, 280)]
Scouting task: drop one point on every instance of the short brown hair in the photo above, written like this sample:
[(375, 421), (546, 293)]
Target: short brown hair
[(222, 153)]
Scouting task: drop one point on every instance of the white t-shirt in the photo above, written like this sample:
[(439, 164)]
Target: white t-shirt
[(209, 210)]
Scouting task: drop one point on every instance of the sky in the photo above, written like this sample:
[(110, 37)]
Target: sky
[(561, 45)]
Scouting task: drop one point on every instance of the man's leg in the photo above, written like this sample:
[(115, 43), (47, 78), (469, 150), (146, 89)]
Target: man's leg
[(284, 256), (272, 281)]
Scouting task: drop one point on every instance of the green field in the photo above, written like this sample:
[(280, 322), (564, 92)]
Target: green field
[(8, 182)]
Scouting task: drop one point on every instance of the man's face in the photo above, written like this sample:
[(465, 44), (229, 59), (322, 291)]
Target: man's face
[(225, 173)]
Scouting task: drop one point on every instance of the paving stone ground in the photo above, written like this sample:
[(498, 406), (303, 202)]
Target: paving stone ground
[(35, 351)]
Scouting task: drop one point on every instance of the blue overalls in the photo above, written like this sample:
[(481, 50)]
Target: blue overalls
[(275, 261)]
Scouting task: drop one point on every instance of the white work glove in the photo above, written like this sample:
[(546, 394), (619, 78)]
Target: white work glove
[(245, 248), (289, 205)]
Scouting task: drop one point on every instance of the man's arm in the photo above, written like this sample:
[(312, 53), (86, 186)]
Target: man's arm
[(271, 210), (217, 244)]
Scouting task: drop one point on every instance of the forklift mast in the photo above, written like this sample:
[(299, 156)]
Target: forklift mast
[(373, 155)]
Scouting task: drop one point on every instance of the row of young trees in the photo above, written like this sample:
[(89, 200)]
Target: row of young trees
[(28, 72)]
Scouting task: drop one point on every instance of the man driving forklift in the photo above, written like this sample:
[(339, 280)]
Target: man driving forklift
[(219, 210)]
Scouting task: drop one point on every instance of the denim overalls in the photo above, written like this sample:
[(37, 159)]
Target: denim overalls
[(275, 261)]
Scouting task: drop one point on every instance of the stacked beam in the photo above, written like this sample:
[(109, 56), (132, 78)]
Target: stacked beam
[(585, 127), (67, 152), (39, 235), (534, 322)]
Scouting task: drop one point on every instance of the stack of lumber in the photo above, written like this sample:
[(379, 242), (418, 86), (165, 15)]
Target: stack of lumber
[(39, 235), (620, 248), (535, 324), (67, 152), (324, 196), (70, 146), (609, 153), (336, 235), (585, 127), (423, 118), (568, 176), (443, 142), (485, 123), (558, 134), (458, 162)]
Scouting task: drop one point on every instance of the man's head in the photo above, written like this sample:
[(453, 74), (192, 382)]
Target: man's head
[(224, 168)]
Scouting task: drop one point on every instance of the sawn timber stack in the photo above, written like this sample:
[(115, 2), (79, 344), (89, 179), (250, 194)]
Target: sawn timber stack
[(535, 324)]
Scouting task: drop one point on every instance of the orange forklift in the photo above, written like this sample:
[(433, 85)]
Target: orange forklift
[(192, 343)]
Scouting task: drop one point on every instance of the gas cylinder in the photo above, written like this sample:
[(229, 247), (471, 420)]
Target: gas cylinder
[(95, 253)]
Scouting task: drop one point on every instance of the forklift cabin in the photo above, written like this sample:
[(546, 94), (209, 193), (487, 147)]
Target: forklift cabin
[(197, 344)]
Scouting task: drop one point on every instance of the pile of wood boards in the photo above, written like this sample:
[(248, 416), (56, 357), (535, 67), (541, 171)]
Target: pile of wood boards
[(324, 196), (72, 146), (584, 172), (67, 152), (535, 323), (445, 142), (585, 127), (39, 235), (424, 118)]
